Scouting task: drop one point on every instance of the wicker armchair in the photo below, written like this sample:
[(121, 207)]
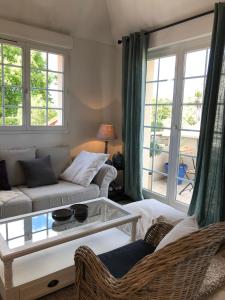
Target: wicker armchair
[(174, 272)]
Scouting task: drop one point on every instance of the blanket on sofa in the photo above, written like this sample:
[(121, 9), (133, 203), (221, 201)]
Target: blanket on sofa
[(6, 196)]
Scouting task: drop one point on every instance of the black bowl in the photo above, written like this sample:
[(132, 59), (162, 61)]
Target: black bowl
[(62, 214), (80, 211)]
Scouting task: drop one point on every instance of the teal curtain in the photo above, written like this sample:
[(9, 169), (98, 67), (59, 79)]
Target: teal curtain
[(208, 200), (133, 92)]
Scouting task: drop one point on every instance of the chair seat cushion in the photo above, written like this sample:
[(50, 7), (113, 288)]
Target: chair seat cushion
[(121, 260)]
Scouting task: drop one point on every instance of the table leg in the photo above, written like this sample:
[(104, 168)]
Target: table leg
[(8, 274), (133, 230)]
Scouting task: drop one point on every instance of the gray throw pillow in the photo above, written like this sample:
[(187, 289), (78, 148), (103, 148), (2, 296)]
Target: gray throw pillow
[(60, 157), (38, 172)]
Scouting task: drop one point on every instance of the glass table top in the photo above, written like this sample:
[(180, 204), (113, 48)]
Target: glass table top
[(34, 228)]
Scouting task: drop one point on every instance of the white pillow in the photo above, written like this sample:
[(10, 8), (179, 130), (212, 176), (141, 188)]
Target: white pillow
[(185, 227), (84, 167)]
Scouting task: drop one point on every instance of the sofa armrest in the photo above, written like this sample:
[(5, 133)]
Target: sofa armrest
[(104, 177)]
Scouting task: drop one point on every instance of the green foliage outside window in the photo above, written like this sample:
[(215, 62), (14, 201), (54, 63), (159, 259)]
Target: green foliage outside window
[(13, 83), (163, 112)]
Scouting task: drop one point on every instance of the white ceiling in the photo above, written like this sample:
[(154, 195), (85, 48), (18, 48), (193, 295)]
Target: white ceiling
[(101, 20)]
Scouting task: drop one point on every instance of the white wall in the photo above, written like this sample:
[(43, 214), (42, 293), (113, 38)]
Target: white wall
[(192, 29), (92, 66)]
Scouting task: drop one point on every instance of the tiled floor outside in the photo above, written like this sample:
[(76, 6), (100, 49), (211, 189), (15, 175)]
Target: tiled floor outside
[(160, 186)]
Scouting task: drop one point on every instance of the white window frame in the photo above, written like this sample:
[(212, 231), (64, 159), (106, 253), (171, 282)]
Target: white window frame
[(179, 50), (26, 127)]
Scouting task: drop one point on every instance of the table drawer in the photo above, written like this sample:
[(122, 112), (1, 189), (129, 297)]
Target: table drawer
[(48, 284)]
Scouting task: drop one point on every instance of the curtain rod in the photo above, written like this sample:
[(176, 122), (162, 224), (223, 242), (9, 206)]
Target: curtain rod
[(177, 23)]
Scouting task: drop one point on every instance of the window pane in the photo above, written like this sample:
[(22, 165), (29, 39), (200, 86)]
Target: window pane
[(147, 159), (38, 79), (151, 92), (1, 91), (195, 63), (55, 62), (13, 116), (13, 96), (152, 70), (185, 178), (38, 117), (13, 76), (193, 90), (165, 92), (55, 81), (55, 117), (191, 117), (38, 98), (163, 116), (0, 75), (55, 99), (147, 178), (149, 115), (1, 116), (167, 67), (162, 140), (160, 160), (12, 55), (189, 143), (147, 137), (159, 183), (184, 190), (38, 59)]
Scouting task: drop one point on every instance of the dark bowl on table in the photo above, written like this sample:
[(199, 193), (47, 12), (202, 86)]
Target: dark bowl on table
[(80, 211), (62, 214)]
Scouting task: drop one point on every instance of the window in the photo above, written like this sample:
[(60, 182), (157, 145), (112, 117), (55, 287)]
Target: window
[(31, 87), (46, 88), (11, 89), (173, 106)]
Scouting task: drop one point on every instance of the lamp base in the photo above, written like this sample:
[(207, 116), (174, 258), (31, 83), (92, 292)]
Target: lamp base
[(106, 147)]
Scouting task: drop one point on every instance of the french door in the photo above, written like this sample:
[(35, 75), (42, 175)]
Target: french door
[(175, 86)]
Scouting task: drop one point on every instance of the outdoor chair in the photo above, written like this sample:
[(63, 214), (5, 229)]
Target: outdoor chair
[(175, 272)]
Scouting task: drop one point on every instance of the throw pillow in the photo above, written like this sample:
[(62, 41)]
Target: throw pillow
[(38, 172), (4, 182), (84, 167), (60, 157), (14, 170), (185, 227)]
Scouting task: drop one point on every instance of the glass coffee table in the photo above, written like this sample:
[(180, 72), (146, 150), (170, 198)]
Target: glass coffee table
[(36, 251)]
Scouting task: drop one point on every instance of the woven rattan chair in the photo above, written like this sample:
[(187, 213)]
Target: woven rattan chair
[(173, 273)]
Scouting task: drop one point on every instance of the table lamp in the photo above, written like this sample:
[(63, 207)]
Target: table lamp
[(106, 133)]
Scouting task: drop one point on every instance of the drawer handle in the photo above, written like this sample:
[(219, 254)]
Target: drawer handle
[(53, 283)]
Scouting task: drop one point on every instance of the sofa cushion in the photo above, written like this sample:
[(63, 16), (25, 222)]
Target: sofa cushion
[(38, 172), (63, 193), (121, 260), (14, 203), (60, 157), (12, 156)]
